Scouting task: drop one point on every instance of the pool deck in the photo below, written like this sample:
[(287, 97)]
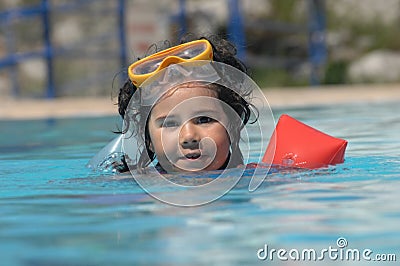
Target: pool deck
[(13, 109)]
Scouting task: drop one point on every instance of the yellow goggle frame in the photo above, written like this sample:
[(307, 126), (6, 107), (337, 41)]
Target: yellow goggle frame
[(143, 69)]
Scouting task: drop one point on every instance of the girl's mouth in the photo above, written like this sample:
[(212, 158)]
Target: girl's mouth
[(193, 155)]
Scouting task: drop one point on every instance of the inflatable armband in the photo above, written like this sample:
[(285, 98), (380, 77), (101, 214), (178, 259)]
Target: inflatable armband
[(299, 145), (109, 159)]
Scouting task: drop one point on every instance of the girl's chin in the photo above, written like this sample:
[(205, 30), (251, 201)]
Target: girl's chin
[(192, 165)]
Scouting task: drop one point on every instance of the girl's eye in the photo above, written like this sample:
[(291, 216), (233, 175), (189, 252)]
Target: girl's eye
[(204, 120), (169, 123)]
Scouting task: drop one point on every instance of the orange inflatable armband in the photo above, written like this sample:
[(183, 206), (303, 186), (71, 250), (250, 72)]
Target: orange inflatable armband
[(299, 145)]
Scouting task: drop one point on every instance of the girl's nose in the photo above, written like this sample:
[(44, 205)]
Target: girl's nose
[(188, 136)]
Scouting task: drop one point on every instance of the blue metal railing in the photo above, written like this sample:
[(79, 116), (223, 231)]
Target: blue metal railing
[(317, 52), (48, 51), (12, 58), (235, 27)]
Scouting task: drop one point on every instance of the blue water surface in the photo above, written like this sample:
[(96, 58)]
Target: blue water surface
[(55, 211)]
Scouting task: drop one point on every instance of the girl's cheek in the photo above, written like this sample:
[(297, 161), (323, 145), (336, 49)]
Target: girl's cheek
[(169, 139)]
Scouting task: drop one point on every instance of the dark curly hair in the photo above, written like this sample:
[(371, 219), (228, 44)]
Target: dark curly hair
[(224, 52)]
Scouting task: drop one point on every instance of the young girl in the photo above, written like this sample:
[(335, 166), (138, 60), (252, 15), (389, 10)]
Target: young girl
[(185, 107)]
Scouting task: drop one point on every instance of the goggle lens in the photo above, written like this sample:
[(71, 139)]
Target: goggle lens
[(148, 67)]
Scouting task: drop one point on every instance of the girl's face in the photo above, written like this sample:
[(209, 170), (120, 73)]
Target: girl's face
[(187, 130)]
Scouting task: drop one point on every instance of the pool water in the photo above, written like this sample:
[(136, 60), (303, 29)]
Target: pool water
[(55, 211)]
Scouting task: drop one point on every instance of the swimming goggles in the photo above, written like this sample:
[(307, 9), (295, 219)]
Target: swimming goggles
[(187, 52)]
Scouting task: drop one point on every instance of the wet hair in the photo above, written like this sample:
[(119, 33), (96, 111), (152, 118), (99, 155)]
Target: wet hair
[(224, 52)]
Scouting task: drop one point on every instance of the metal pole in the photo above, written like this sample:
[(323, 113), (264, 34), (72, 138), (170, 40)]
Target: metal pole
[(48, 51), (122, 37), (316, 38), (12, 70), (236, 29), (182, 19)]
